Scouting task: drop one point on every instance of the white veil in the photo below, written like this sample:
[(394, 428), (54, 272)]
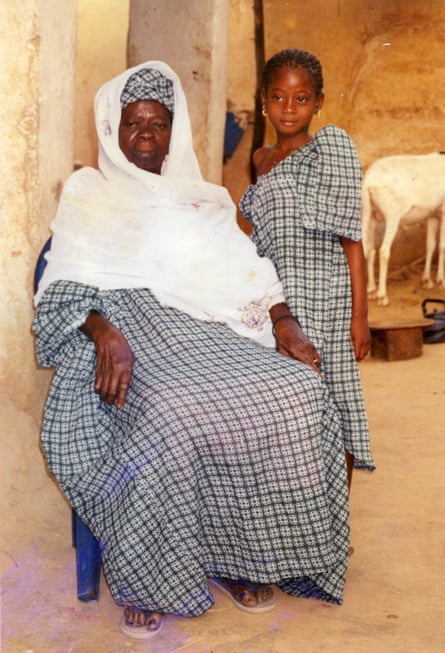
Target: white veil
[(123, 227)]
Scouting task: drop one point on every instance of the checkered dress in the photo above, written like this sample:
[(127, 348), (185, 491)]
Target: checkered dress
[(299, 211), (226, 459)]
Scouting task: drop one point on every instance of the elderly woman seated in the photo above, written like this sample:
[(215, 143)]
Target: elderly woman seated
[(198, 454)]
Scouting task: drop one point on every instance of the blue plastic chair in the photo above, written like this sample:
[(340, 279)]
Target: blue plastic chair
[(88, 552)]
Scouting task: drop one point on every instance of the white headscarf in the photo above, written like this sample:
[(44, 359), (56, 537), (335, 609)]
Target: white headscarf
[(123, 227)]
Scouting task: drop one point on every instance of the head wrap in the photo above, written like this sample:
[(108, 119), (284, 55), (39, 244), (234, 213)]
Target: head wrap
[(181, 162), (148, 84)]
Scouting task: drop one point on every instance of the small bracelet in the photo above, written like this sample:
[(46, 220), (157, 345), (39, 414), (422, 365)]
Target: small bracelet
[(282, 317)]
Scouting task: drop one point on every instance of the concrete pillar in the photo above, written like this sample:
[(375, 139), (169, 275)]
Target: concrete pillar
[(192, 37), (37, 56)]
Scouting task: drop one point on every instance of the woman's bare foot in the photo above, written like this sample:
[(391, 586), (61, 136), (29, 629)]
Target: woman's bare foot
[(140, 624), (247, 596)]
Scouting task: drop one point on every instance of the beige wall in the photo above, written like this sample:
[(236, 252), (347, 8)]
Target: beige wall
[(101, 54), (37, 59), (36, 86)]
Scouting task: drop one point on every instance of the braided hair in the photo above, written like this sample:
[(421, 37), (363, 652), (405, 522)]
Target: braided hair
[(292, 58)]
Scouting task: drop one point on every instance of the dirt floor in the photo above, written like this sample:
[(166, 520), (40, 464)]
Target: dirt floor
[(395, 585), (405, 293)]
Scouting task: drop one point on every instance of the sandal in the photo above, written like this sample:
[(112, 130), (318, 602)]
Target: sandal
[(237, 591), (147, 624)]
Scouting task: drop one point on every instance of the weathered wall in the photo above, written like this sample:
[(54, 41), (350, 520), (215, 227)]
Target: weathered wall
[(101, 54), (192, 37), (36, 117), (36, 133), (20, 192)]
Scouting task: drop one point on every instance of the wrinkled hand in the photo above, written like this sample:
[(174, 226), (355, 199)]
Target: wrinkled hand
[(292, 342), (114, 359), (360, 336)]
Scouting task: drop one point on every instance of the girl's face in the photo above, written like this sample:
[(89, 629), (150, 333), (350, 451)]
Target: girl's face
[(290, 101)]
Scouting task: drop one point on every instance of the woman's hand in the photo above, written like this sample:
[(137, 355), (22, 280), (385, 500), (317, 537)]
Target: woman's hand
[(114, 359), (360, 336), (290, 338)]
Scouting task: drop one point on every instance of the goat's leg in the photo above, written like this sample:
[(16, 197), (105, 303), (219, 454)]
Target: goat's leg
[(392, 224), (370, 252), (441, 257), (371, 286), (431, 235), (368, 240)]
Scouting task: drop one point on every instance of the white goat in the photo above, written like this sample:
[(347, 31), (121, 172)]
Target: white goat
[(407, 189)]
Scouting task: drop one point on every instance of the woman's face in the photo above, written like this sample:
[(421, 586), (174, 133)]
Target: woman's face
[(144, 134)]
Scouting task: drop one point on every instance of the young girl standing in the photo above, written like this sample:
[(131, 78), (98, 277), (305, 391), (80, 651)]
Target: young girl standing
[(305, 211)]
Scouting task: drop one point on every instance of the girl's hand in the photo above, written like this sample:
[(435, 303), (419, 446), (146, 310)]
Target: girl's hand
[(114, 359), (360, 336)]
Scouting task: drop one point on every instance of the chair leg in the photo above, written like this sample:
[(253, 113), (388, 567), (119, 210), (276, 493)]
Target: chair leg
[(88, 561), (73, 529)]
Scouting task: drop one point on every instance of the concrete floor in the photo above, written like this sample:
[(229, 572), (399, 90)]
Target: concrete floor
[(395, 593)]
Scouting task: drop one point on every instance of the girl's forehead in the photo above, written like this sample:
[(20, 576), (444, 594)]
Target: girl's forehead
[(287, 76)]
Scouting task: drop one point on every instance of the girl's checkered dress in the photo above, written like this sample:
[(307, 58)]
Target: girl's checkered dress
[(299, 211)]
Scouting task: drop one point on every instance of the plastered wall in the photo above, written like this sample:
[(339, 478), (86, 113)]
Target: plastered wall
[(100, 54), (37, 56)]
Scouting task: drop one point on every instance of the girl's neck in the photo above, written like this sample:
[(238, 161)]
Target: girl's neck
[(271, 155), (285, 146)]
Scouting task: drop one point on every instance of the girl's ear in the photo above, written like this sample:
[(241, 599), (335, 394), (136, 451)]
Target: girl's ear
[(263, 95), (319, 103)]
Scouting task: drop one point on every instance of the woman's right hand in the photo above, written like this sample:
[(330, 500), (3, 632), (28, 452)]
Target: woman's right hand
[(114, 359), (291, 341)]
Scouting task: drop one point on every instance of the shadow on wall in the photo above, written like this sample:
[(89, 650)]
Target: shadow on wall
[(398, 92)]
